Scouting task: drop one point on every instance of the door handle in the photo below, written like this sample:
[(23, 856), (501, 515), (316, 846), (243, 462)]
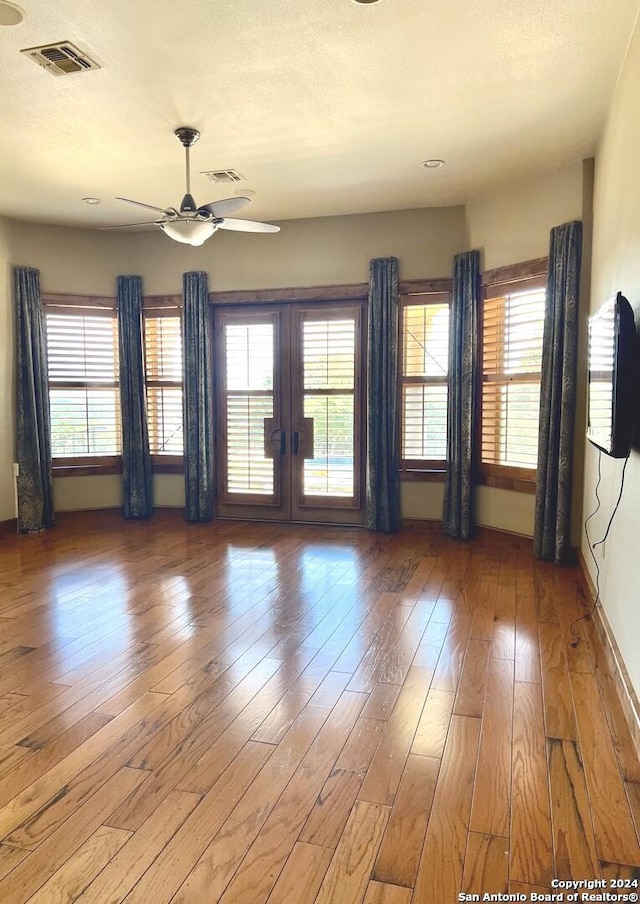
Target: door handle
[(303, 439), (275, 439)]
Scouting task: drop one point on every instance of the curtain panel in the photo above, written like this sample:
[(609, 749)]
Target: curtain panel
[(35, 480), (197, 404), (558, 395), (458, 515), (383, 456), (137, 478)]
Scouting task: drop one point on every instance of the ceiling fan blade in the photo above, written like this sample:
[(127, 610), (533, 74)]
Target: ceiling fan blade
[(225, 207), (128, 225), (246, 226), (169, 211)]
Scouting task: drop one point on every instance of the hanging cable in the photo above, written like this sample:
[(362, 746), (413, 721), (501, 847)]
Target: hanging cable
[(592, 546)]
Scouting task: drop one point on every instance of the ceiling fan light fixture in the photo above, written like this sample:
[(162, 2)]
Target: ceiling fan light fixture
[(189, 232)]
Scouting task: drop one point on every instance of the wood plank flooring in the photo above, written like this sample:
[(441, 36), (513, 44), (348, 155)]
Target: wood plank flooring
[(283, 714)]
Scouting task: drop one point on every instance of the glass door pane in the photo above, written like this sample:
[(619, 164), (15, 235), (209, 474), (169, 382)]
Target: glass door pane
[(248, 373), (249, 382), (327, 413), (328, 359)]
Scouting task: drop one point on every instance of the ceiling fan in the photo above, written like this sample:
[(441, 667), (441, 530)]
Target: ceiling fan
[(193, 225)]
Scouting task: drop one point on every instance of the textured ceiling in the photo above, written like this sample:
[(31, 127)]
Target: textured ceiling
[(325, 106)]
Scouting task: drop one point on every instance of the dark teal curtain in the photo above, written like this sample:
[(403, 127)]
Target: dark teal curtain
[(35, 482), (382, 486), (197, 409), (137, 481), (558, 395), (458, 516)]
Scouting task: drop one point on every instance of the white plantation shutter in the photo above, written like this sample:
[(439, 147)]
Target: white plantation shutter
[(249, 353), (163, 358), (82, 350), (329, 362), (513, 325), (424, 366)]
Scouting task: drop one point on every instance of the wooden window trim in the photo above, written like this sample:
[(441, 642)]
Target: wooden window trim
[(419, 469), (497, 283), (500, 277)]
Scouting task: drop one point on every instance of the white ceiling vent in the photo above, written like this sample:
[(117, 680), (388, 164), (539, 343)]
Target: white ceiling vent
[(227, 175), (62, 58)]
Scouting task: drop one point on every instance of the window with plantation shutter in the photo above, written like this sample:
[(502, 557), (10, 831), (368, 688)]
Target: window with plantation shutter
[(163, 358), (512, 329), (424, 366), (82, 350)]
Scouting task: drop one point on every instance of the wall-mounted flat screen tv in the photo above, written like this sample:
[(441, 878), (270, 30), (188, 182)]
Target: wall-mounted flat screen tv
[(612, 351)]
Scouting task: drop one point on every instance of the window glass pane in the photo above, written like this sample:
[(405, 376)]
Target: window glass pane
[(82, 348), (248, 470), (424, 422), (164, 412), (513, 328), (425, 365), (163, 361), (82, 351), (85, 422), (331, 470), (163, 348), (249, 351), (329, 354), (425, 340)]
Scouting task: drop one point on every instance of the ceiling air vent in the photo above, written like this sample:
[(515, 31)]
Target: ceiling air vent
[(62, 58), (226, 175)]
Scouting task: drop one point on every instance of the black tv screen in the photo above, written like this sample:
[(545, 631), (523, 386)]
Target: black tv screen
[(612, 345)]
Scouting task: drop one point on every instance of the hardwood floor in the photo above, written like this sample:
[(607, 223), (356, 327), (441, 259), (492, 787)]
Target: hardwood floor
[(252, 713)]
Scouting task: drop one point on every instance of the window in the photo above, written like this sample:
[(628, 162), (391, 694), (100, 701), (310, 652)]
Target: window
[(163, 352), (82, 351), (513, 323), (424, 365)]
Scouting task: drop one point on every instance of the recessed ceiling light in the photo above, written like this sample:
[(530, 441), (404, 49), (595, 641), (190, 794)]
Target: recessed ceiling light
[(366, 1), (432, 164), (10, 14), (92, 200)]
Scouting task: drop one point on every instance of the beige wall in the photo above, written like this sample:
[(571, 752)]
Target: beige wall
[(616, 267), (511, 223), (7, 392), (83, 262), (69, 260), (324, 251), (314, 252)]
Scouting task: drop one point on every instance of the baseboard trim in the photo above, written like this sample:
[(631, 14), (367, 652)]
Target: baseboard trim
[(624, 688), (9, 527)]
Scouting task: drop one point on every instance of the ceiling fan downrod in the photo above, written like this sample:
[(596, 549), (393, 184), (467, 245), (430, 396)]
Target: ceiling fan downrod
[(187, 138)]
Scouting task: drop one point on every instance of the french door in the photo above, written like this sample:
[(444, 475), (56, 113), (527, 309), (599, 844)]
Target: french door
[(289, 403)]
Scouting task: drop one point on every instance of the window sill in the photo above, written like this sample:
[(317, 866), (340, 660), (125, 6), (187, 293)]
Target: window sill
[(86, 469), (519, 480), (426, 475), (168, 464)]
